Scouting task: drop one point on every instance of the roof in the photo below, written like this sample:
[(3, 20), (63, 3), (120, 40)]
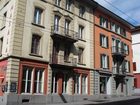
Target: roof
[(112, 14), (136, 29)]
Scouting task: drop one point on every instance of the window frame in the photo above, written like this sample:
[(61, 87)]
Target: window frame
[(81, 55), (81, 31), (33, 69), (68, 5), (38, 15), (36, 44), (103, 22), (104, 59), (104, 41), (78, 88), (82, 11), (57, 3)]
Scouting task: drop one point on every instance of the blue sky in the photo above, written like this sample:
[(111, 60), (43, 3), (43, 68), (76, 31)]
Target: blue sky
[(130, 7)]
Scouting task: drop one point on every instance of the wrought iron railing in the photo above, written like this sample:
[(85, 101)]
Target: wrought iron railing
[(63, 60), (62, 31), (119, 70), (119, 50)]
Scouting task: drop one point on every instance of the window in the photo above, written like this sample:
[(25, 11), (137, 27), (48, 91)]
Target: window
[(56, 23), (1, 44), (66, 53), (54, 83), (113, 26), (80, 55), (38, 16), (84, 84), (57, 2), (126, 49), (81, 11), (4, 19), (127, 66), (39, 80), (134, 66), (118, 29), (103, 84), (135, 83), (80, 84), (80, 31), (67, 23), (103, 41), (32, 78), (64, 84), (104, 61), (103, 22), (26, 80), (122, 31), (68, 4), (77, 84), (35, 48)]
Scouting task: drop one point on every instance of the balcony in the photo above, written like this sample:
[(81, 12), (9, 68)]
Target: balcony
[(58, 32), (118, 51), (119, 71), (61, 60)]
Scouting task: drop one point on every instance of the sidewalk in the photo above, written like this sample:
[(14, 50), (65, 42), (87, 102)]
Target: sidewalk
[(111, 101)]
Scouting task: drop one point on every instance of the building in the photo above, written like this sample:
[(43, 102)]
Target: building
[(50, 52), (44, 45), (113, 54), (136, 61)]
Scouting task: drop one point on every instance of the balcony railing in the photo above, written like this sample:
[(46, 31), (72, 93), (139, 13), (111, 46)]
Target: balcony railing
[(119, 51), (118, 70), (63, 60), (62, 32)]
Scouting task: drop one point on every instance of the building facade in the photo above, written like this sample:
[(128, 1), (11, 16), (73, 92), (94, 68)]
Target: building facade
[(113, 54), (46, 50), (58, 51), (136, 61)]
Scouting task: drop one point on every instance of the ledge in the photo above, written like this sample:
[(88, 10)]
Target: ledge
[(36, 55), (38, 25)]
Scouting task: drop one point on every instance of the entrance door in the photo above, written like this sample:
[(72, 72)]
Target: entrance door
[(103, 85)]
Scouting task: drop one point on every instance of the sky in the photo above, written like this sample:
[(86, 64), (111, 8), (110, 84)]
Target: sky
[(127, 9)]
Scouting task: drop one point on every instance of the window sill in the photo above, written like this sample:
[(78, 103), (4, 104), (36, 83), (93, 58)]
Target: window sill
[(67, 61), (36, 55), (69, 11), (38, 25), (82, 40), (104, 47), (81, 64), (2, 28), (107, 69), (44, 1), (82, 18)]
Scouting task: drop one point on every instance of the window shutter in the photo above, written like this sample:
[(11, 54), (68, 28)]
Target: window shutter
[(101, 64), (108, 62), (106, 23), (101, 20), (129, 66), (107, 42), (134, 66), (127, 49), (100, 39)]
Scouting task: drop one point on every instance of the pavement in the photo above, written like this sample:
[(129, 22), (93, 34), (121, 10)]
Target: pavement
[(106, 101)]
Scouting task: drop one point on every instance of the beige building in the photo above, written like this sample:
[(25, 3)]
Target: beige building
[(46, 50)]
